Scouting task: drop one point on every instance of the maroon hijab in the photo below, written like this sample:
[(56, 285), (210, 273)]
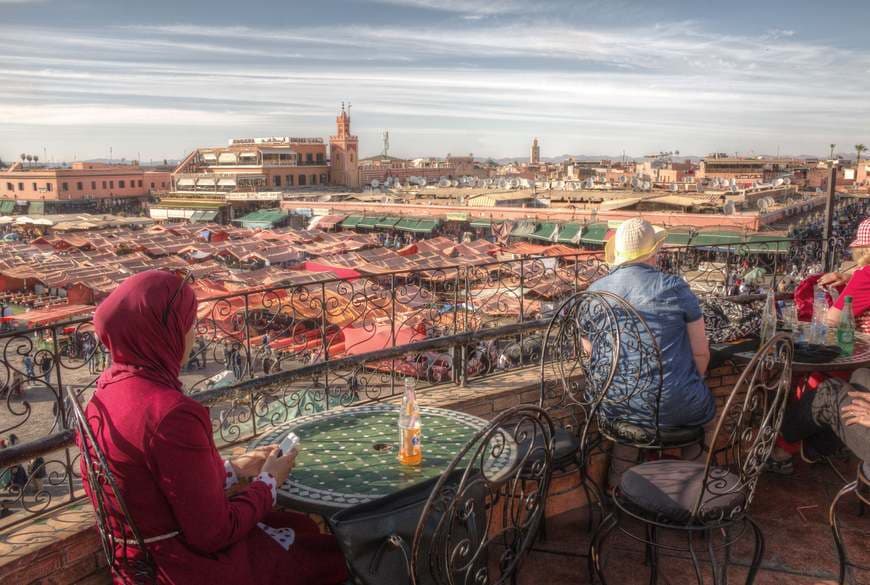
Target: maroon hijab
[(130, 324)]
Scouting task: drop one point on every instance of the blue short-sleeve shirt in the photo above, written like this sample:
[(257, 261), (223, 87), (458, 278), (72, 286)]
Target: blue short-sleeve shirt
[(668, 305)]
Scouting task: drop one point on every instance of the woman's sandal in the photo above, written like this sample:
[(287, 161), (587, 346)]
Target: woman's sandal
[(779, 467)]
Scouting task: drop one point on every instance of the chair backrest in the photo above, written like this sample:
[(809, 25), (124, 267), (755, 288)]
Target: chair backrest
[(109, 506), (633, 396), (746, 433), (494, 508), (571, 381)]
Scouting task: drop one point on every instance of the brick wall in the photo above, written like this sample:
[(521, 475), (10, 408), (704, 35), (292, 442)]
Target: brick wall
[(77, 558)]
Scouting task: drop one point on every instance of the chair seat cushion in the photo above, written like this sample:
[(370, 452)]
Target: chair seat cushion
[(668, 490), (631, 433), (566, 445)]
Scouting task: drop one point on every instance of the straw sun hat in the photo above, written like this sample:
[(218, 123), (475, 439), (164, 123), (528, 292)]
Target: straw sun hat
[(634, 241)]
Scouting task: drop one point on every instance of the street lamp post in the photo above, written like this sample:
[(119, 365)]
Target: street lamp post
[(827, 246)]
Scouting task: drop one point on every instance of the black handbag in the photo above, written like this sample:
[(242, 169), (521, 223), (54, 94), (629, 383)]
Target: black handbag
[(376, 537)]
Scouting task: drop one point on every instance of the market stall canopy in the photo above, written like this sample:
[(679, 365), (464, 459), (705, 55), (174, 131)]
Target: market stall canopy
[(545, 231), (24, 220), (570, 233), (524, 229), (49, 315), (594, 233), (264, 218)]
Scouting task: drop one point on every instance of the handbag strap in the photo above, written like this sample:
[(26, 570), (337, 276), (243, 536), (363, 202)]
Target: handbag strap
[(396, 541)]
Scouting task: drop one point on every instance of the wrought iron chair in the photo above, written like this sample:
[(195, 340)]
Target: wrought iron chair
[(484, 512), (629, 410), (112, 514), (702, 500), (861, 488), (571, 382)]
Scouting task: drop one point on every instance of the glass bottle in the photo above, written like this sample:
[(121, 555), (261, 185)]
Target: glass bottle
[(768, 318), (410, 428), (846, 328)]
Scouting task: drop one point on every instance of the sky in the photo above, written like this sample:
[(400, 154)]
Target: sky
[(155, 79)]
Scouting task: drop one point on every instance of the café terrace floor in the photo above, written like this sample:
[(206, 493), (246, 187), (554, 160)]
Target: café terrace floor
[(791, 510)]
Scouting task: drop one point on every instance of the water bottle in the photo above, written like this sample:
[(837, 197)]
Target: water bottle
[(410, 429), (768, 318), (819, 329), (846, 328)]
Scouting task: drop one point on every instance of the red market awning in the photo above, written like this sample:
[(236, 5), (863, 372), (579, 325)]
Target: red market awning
[(342, 272), (49, 315)]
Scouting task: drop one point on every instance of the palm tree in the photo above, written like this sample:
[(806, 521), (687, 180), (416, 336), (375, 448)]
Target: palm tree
[(859, 148), (30, 158), (35, 159), (23, 157), (833, 146)]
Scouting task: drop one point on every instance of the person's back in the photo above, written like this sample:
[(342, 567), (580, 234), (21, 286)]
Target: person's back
[(669, 308)]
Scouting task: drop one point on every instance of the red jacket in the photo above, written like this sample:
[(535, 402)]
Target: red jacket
[(163, 457)]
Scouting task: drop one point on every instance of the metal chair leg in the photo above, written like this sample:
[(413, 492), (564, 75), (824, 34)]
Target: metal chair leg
[(757, 554), (835, 529), (653, 555), (696, 564), (596, 548)]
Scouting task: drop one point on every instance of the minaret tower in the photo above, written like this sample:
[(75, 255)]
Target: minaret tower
[(535, 158), (344, 153)]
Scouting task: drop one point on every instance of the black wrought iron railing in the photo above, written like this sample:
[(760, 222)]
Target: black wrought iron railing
[(265, 356)]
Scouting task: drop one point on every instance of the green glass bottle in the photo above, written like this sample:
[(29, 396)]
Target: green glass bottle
[(846, 328)]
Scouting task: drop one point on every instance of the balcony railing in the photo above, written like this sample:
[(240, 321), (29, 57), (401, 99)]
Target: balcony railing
[(268, 355)]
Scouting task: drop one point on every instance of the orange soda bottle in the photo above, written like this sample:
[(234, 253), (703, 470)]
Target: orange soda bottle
[(410, 429)]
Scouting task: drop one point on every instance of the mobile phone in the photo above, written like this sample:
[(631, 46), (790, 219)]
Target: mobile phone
[(288, 444)]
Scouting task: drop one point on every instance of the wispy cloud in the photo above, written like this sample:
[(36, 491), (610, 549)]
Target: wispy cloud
[(485, 86), (473, 7)]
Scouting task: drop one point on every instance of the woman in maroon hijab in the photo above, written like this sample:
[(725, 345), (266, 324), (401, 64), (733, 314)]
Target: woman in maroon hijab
[(161, 451)]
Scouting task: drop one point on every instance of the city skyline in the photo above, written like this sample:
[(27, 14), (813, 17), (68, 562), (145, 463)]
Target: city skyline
[(448, 76)]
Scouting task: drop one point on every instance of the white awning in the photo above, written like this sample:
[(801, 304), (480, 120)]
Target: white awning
[(227, 182), (184, 182), (158, 213), (209, 156), (248, 155), (227, 158), (205, 182)]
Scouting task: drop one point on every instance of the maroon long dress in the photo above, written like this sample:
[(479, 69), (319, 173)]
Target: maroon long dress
[(162, 454)]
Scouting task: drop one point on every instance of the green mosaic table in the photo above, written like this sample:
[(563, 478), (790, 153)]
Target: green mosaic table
[(348, 456)]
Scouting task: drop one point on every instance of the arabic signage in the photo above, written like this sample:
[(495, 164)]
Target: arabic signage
[(276, 140), (253, 196)]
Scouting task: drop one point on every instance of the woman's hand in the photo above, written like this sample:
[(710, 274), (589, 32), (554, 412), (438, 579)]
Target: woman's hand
[(858, 412), (279, 467), (834, 279), (251, 463)]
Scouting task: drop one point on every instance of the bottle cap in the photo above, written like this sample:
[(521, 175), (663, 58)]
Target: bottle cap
[(848, 298)]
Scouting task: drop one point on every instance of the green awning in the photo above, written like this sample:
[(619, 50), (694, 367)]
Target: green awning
[(425, 226), (717, 238), (481, 222), (678, 237), (407, 224), (764, 244), (368, 222), (7, 206), (388, 222), (594, 233), (546, 232), (264, 218), (351, 221), (36, 208), (569, 233), (524, 229), (203, 216)]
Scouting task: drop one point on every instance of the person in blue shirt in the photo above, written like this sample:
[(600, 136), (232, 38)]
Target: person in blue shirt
[(674, 316)]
